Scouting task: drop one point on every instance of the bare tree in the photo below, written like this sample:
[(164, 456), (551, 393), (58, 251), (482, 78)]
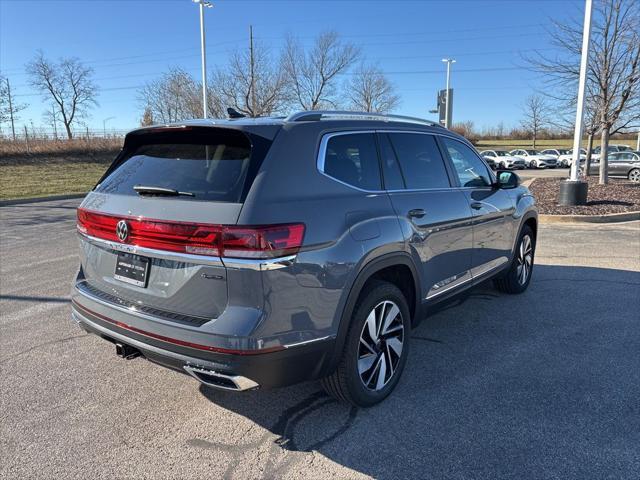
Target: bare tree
[(535, 116), (68, 83), (51, 117), (173, 97), (8, 106), (466, 129), (313, 74), (613, 81), (252, 83), (147, 117), (371, 91)]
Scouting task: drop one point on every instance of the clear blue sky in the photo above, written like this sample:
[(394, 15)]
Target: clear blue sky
[(130, 42)]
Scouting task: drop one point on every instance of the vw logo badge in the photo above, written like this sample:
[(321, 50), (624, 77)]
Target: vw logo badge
[(122, 230)]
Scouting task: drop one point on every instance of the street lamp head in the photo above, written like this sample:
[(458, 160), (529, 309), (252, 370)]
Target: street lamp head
[(448, 60), (204, 3)]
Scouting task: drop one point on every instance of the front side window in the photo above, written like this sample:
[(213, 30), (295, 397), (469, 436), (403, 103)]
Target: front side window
[(420, 160), (471, 171), (353, 159)]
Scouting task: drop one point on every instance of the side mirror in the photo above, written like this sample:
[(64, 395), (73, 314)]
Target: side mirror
[(507, 179)]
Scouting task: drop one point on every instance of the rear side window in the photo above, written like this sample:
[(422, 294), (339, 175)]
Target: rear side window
[(471, 171), (211, 167), (353, 159), (420, 160)]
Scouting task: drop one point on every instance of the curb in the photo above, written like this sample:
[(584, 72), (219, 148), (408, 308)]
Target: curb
[(608, 218), (18, 201)]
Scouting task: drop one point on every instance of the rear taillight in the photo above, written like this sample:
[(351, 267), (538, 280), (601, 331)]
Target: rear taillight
[(263, 241)]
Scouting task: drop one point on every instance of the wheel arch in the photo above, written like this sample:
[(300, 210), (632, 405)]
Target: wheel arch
[(530, 219), (385, 267)]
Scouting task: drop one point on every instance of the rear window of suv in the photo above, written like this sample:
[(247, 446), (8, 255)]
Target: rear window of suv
[(216, 166)]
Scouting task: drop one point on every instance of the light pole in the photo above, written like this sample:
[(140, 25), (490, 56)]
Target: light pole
[(577, 136), (573, 191), (447, 113), (203, 51), (104, 125)]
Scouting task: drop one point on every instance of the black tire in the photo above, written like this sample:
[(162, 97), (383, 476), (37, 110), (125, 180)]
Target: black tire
[(345, 384), (634, 175), (511, 280)]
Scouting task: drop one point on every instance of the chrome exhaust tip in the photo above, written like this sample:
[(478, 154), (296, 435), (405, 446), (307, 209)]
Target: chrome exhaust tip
[(219, 380)]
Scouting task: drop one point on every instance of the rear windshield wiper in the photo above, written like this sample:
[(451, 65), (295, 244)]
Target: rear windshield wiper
[(153, 190)]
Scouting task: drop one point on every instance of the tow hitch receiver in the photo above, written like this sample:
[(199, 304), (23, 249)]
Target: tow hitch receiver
[(126, 351)]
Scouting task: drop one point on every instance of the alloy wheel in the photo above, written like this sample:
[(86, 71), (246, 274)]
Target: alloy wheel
[(634, 175), (525, 260), (380, 348)]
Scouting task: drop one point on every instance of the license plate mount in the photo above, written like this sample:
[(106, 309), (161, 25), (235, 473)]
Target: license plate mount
[(132, 269)]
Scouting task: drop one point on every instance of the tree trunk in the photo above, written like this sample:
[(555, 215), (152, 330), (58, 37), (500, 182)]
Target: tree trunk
[(604, 157), (587, 161), (534, 140), (68, 129)]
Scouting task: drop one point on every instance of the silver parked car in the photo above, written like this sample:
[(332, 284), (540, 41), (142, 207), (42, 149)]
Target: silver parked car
[(263, 252), (621, 164)]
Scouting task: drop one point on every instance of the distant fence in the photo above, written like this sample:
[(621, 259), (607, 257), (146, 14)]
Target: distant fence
[(51, 135), (44, 144)]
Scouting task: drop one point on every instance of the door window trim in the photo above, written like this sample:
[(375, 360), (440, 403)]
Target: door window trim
[(451, 173), (478, 156)]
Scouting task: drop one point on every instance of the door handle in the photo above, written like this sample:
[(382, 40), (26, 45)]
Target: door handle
[(476, 205), (416, 213)]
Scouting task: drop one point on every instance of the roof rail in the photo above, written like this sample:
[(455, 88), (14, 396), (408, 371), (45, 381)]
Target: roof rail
[(316, 115)]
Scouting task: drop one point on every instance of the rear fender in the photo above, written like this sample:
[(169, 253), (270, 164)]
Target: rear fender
[(365, 273)]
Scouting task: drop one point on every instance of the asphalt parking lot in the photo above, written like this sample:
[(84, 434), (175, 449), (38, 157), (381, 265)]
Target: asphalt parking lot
[(541, 385)]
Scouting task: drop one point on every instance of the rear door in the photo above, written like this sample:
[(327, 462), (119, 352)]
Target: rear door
[(434, 216), (492, 233), (145, 230), (620, 163)]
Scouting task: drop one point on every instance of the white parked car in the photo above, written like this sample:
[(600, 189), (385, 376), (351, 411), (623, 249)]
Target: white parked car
[(534, 158), (503, 160), (563, 156), (555, 153)]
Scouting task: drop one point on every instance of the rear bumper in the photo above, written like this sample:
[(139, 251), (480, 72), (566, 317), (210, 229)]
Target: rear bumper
[(248, 370)]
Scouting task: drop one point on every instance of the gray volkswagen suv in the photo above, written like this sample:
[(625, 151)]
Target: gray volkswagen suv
[(264, 252)]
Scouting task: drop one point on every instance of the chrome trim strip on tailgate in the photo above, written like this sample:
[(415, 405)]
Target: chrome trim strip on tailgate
[(152, 252), (242, 263)]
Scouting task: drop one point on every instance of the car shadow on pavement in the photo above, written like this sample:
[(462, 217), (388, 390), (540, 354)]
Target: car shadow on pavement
[(540, 384)]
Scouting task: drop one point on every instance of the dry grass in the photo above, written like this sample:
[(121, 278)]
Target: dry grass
[(59, 151), (54, 167), (31, 180)]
